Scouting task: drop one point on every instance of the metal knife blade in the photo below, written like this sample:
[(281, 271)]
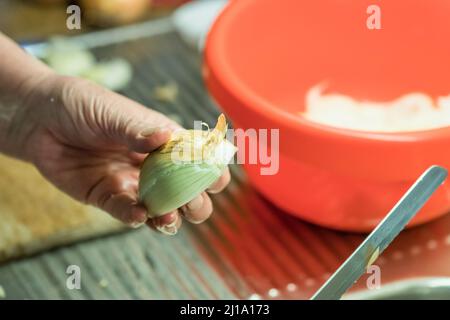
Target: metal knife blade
[(383, 234)]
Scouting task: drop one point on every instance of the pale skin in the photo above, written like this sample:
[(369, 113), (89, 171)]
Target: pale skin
[(86, 140)]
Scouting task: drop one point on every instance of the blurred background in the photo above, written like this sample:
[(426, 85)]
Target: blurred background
[(37, 19), (151, 51)]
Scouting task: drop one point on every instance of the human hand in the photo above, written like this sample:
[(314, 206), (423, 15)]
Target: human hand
[(90, 142)]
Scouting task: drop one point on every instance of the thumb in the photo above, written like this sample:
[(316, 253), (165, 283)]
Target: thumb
[(145, 140), (129, 123), (100, 113)]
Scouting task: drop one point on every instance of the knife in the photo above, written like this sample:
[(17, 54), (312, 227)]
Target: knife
[(383, 234)]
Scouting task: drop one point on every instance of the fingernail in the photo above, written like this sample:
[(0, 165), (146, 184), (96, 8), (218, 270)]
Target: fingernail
[(148, 132), (151, 131), (139, 217), (136, 225), (169, 229), (195, 203)]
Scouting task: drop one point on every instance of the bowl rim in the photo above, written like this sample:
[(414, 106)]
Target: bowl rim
[(215, 55)]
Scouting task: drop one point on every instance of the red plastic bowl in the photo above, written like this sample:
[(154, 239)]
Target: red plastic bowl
[(261, 58)]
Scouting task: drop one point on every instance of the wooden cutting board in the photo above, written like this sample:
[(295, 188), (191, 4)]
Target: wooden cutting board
[(35, 216)]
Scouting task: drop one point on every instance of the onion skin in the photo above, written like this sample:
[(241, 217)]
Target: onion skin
[(167, 183)]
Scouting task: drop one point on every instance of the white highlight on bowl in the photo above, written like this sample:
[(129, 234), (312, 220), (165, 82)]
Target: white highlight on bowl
[(415, 250), (432, 244), (291, 287), (397, 255), (273, 293), (310, 282), (447, 240)]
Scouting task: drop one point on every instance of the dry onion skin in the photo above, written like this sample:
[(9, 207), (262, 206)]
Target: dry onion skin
[(373, 257), (184, 167)]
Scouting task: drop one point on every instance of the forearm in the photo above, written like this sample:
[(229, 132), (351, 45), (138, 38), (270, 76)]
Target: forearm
[(20, 75)]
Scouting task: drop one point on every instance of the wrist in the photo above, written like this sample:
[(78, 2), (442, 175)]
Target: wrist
[(22, 110)]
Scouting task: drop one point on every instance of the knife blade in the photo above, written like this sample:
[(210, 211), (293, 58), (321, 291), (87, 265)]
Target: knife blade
[(383, 234)]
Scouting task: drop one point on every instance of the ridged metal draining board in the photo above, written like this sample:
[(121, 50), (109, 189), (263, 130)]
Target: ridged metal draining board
[(248, 249)]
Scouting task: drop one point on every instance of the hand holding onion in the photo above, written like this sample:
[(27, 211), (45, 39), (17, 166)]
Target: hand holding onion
[(90, 142)]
